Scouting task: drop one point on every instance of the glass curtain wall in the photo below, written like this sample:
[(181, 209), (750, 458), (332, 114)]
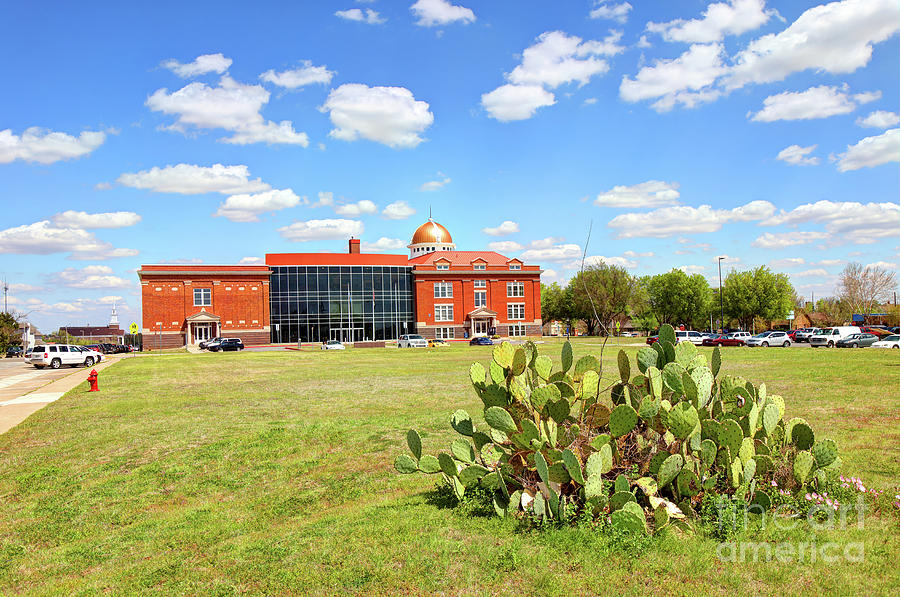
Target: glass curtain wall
[(346, 303)]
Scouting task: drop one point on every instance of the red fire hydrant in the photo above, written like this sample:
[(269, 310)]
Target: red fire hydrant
[(92, 379)]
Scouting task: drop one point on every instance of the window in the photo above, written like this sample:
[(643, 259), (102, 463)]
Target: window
[(444, 333), (517, 329), (515, 266), (443, 290), (515, 289), (202, 297), (479, 266), (515, 311), (443, 312), (443, 266), (480, 283), (480, 298)]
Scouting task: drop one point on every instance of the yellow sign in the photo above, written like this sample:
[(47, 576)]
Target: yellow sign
[(133, 328)]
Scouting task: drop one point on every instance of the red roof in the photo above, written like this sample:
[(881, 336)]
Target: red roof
[(461, 257), (335, 259), (149, 269)]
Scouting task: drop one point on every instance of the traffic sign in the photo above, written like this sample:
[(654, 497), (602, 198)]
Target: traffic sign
[(791, 316), (133, 328)]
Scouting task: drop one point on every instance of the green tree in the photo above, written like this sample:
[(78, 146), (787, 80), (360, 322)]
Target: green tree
[(677, 298), (555, 304), (9, 331), (601, 295), (757, 293)]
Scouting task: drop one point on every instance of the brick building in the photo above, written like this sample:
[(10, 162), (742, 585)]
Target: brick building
[(436, 291)]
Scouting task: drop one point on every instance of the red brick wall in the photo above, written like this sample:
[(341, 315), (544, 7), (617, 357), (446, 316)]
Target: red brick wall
[(464, 297)]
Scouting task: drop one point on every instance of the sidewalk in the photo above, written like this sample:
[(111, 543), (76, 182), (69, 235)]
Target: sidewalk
[(14, 411)]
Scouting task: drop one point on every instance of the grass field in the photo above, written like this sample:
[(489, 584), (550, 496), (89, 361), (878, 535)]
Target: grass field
[(251, 473)]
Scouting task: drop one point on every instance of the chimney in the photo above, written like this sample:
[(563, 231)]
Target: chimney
[(354, 245)]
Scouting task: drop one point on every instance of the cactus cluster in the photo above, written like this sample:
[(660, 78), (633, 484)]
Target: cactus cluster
[(642, 450)]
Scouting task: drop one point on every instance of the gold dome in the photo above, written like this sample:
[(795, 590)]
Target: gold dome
[(431, 232)]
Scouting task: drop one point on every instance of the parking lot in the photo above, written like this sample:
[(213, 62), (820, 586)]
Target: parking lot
[(18, 377)]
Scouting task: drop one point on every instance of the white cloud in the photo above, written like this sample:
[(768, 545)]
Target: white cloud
[(797, 155), (516, 102), (684, 80), (719, 19), (25, 288), (505, 246), (653, 193), (45, 147), (388, 115), (321, 230), (231, 106), (556, 253), (207, 63), (816, 102), (369, 16), (91, 276), (615, 12), (507, 227), (247, 207), (880, 119), (545, 243), (888, 265), (835, 38), (860, 223), (557, 58), (683, 219), (829, 262), (810, 273), (692, 269), (787, 262), (636, 255), (599, 259), (726, 259), (433, 13), (102, 186), (80, 219), (782, 240), (45, 238), (871, 152), (398, 210), (189, 179), (550, 275), (383, 244), (307, 74), (252, 261), (359, 208), (434, 185), (182, 261), (325, 198)]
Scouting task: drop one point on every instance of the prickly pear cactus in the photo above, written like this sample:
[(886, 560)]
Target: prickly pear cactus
[(553, 443)]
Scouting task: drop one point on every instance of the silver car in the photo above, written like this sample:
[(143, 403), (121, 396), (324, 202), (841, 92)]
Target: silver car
[(771, 338), (412, 341)]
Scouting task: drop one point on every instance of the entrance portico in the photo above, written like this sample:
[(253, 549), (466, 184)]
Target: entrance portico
[(201, 326), (481, 321)]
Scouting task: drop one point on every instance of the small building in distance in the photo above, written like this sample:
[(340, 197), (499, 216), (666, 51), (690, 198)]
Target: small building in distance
[(91, 334)]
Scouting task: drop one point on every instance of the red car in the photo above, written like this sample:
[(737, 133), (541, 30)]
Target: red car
[(723, 340)]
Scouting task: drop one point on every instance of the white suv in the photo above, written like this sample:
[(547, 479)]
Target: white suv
[(412, 341), (740, 335), (829, 336), (57, 355), (689, 336)]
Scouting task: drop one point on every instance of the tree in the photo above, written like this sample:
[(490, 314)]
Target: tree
[(601, 294), (556, 304), (677, 298), (757, 293), (835, 310), (864, 288), (9, 331)]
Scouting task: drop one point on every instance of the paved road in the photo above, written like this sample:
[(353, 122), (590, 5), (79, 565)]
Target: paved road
[(18, 377)]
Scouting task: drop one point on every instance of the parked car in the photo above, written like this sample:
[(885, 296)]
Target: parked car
[(228, 344), (333, 345), (57, 355), (481, 341), (892, 341), (740, 335), (13, 352), (857, 341), (651, 340), (629, 334), (880, 332), (688, 336), (27, 355), (803, 334), (205, 343), (829, 336), (770, 338), (723, 340), (412, 341), (437, 343)]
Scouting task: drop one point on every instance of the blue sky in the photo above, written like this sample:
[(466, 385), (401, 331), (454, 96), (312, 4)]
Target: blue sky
[(210, 132)]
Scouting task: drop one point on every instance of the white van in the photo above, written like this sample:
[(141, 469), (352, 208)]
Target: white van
[(57, 355), (829, 336)]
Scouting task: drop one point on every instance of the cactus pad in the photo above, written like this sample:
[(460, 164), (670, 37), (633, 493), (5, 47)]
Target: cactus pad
[(540, 396), (406, 464), (472, 474), (519, 361), (477, 374), (462, 423), (710, 429), (414, 442), (803, 466), (624, 366), (671, 375), (824, 452), (687, 483), (619, 499), (646, 358), (770, 417), (594, 487), (622, 420), (703, 379), (656, 462), (731, 435), (503, 354), (685, 353), (557, 473), (629, 520), (622, 483), (429, 465), (573, 465), (462, 451), (669, 469), (667, 333), (716, 361), (761, 500), (559, 410), (491, 455), (708, 452), (566, 356), (585, 364), (600, 462), (590, 385), (683, 420), (747, 449), (540, 463), (500, 420), (543, 365), (802, 436)]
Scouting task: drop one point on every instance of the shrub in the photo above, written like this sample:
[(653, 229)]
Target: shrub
[(640, 454)]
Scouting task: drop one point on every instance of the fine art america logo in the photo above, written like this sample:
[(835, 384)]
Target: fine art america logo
[(820, 517)]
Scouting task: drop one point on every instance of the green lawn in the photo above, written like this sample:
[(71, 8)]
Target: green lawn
[(272, 473)]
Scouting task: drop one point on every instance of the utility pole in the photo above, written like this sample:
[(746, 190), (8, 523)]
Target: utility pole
[(5, 296), (721, 303)]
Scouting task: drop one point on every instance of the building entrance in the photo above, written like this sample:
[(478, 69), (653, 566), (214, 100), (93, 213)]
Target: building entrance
[(347, 334), (480, 327)]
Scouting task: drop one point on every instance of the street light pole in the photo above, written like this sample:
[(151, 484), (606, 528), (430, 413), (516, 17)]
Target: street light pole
[(721, 304)]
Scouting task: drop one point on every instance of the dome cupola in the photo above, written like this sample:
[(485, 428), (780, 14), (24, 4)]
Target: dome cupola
[(430, 237)]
